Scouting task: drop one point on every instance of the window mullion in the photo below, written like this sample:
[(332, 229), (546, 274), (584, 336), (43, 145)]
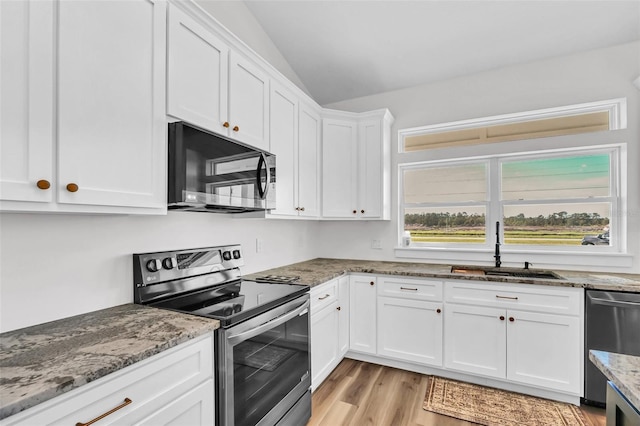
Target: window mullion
[(494, 210)]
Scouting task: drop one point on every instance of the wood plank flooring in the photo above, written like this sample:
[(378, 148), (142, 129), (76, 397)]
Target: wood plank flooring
[(359, 393)]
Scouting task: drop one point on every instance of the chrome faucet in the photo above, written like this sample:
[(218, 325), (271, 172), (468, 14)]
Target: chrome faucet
[(497, 255)]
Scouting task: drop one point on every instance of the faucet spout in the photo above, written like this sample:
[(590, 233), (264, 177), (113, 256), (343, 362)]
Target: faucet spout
[(497, 252)]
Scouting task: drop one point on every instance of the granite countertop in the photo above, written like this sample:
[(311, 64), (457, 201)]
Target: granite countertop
[(622, 370), (318, 271), (41, 362)]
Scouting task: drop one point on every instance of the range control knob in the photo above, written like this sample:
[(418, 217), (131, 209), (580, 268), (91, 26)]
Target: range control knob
[(169, 262), (154, 265), (236, 254), (226, 255)]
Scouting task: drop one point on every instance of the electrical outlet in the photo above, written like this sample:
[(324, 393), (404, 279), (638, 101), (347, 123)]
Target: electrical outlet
[(376, 244), (259, 245)]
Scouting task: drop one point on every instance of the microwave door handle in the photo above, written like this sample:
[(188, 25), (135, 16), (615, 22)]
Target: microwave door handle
[(236, 338), (263, 162)]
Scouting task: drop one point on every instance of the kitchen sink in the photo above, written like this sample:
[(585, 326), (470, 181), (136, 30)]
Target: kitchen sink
[(506, 272)]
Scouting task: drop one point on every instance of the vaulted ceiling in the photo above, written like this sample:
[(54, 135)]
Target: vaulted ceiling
[(347, 49)]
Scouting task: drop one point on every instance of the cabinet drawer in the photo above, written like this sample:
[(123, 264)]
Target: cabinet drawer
[(559, 300), (323, 295), (409, 288), (150, 385)]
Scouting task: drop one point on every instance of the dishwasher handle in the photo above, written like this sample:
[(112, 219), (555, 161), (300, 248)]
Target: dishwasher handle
[(614, 303)]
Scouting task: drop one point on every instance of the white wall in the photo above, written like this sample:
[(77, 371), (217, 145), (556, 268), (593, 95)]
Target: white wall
[(240, 21), (586, 77), (55, 266)]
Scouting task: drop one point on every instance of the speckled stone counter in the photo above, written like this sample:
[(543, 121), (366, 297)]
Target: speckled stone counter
[(41, 362), (622, 370), (318, 271)]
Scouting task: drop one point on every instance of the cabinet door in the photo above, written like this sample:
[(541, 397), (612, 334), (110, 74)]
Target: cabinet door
[(26, 104), (410, 330), (283, 117), (308, 159), (544, 350), (362, 318), (370, 169), (248, 102), (475, 340), (196, 407), (324, 343), (339, 168), (197, 73), (111, 103), (343, 304)]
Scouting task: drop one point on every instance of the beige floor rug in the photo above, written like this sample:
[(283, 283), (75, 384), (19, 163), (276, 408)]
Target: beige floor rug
[(495, 407)]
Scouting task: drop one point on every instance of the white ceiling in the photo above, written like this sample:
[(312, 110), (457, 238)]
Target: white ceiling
[(347, 49)]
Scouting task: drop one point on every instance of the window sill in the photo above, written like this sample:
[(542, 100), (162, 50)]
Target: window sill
[(594, 261)]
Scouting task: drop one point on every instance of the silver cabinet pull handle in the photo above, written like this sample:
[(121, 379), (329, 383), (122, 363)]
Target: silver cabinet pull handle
[(126, 402), (323, 297), (408, 288), (506, 297)]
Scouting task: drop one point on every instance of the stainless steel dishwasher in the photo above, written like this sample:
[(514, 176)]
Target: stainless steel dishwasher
[(612, 324)]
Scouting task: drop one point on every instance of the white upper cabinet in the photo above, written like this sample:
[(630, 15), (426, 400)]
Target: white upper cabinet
[(284, 144), (356, 175), (109, 148), (373, 170), (309, 128), (248, 102), (111, 124), (26, 104), (214, 87), (339, 168), (295, 140), (197, 68)]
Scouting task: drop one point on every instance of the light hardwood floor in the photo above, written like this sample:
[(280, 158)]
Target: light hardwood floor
[(359, 393)]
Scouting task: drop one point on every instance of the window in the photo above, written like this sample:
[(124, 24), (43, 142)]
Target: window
[(569, 120), (556, 198), (446, 203), (561, 194)]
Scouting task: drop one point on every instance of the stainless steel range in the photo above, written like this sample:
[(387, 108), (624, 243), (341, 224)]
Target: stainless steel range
[(262, 348)]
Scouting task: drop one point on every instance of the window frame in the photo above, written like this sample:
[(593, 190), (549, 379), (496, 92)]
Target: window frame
[(495, 204), (617, 109)]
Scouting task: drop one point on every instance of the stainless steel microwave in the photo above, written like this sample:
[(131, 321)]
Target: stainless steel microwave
[(208, 172)]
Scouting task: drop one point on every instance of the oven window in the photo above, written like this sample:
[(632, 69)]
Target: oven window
[(267, 367)]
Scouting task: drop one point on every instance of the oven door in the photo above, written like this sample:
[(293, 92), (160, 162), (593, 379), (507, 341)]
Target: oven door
[(263, 366)]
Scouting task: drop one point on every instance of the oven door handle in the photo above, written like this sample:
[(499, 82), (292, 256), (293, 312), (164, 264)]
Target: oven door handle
[(236, 338)]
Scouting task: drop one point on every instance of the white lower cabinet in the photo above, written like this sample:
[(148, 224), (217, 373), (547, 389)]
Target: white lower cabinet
[(362, 316), (343, 297), (410, 330), (170, 388), (528, 346), (475, 339), (193, 408), (410, 320), (521, 335), (324, 343), (544, 350), (329, 327)]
